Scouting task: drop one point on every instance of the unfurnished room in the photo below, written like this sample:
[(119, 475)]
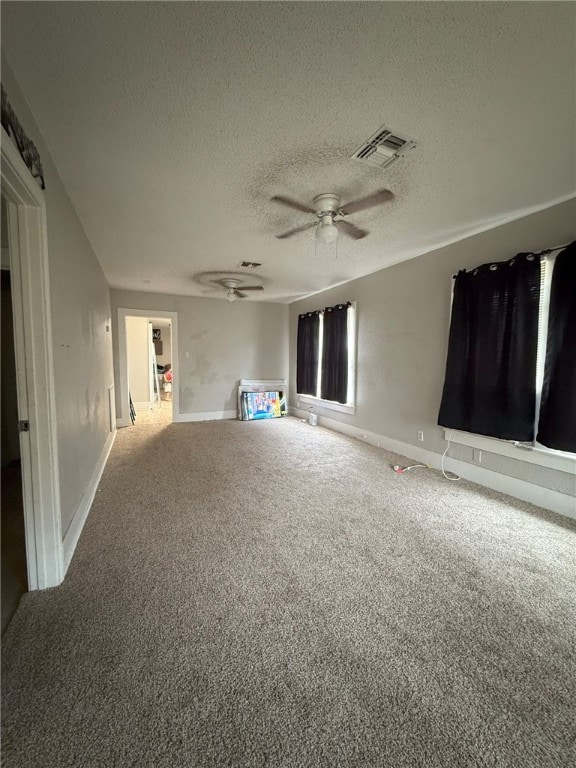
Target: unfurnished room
[(288, 384)]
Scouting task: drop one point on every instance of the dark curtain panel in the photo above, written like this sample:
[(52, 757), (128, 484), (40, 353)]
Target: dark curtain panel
[(307, 353), (557, 423), (491, 367), (334, 385)]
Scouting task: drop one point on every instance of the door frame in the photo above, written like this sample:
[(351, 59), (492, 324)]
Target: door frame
[(123, 419), (29, 272)]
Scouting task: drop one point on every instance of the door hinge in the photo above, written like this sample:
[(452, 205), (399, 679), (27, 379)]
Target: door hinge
[(24, 426)]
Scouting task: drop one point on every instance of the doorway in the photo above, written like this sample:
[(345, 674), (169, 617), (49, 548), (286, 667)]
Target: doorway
[(149, 361), (148, 366), (24, 212), (13, 554)]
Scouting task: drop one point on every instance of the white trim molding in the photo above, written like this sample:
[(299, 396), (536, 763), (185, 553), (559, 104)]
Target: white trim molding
[(111, 408), (312, 403), (561, 462), (561, 503), (206, 416), (76, 526), (28, 239)]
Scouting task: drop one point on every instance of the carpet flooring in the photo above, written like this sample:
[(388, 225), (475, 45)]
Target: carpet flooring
[(250, 594)]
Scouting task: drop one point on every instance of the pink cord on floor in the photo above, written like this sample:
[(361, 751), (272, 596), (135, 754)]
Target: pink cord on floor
[(400, 470)]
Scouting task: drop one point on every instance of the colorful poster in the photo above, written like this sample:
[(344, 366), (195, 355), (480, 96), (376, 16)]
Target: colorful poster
[(262, 405)]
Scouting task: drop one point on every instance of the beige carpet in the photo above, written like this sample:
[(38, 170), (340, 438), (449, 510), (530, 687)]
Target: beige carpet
[(272, 594), (161, 413)]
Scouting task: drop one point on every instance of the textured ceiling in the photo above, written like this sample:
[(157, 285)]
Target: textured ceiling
[(173, 125)]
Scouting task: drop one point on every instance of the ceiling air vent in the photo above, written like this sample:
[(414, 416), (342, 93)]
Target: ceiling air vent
[(384, 148), (250, 264)]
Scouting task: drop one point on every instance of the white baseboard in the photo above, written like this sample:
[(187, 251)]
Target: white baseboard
[(206, 416), (183, 417), (561, 503), (72, 535)]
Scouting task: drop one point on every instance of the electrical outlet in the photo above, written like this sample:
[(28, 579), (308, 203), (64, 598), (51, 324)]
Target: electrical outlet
[(420, 435)]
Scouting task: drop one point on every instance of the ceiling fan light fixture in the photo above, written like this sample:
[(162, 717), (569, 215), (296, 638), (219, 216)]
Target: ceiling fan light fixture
[(326, 231), (231, 294)]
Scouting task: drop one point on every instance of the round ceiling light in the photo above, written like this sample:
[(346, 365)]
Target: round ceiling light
[(326, 231)]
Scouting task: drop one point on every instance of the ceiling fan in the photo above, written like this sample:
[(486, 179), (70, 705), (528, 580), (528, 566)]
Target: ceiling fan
[(234, 288), (331, 214)]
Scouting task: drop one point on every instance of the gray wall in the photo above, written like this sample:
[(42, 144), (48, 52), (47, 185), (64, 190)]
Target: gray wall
[(403, 320), (80, 306), (225, 341)]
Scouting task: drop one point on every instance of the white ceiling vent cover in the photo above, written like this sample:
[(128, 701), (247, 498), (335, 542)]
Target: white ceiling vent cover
[(384, 148)]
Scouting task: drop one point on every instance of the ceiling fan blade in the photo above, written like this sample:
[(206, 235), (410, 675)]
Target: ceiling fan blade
[(239, 294), (295, 231), (377, 198), (293, 204), (349, 229), (251, 288)]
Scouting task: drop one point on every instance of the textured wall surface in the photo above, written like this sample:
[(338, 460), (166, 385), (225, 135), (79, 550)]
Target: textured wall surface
[(403, 320), (80, 306), (218, 343), (174, 124)]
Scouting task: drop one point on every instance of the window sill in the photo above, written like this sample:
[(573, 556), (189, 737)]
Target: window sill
[(533, 455), (307, 400)]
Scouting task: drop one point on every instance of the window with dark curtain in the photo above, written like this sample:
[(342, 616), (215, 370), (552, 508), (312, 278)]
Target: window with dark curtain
[(307, 353), (490, 380), (334, 380), (557, 422)]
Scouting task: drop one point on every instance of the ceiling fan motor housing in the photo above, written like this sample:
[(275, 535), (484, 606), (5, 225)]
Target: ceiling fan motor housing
[(326, 203), (231, 283)]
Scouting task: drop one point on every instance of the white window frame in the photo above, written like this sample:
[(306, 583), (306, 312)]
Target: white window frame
[(349, 406), (535, 452)]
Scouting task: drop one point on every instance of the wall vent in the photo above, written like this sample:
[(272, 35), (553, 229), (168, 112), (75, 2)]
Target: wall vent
[(249, 264), (384, 148)]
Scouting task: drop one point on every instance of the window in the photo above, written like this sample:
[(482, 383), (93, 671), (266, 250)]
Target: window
[(511, 367), (326, 353), (555, 424)]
